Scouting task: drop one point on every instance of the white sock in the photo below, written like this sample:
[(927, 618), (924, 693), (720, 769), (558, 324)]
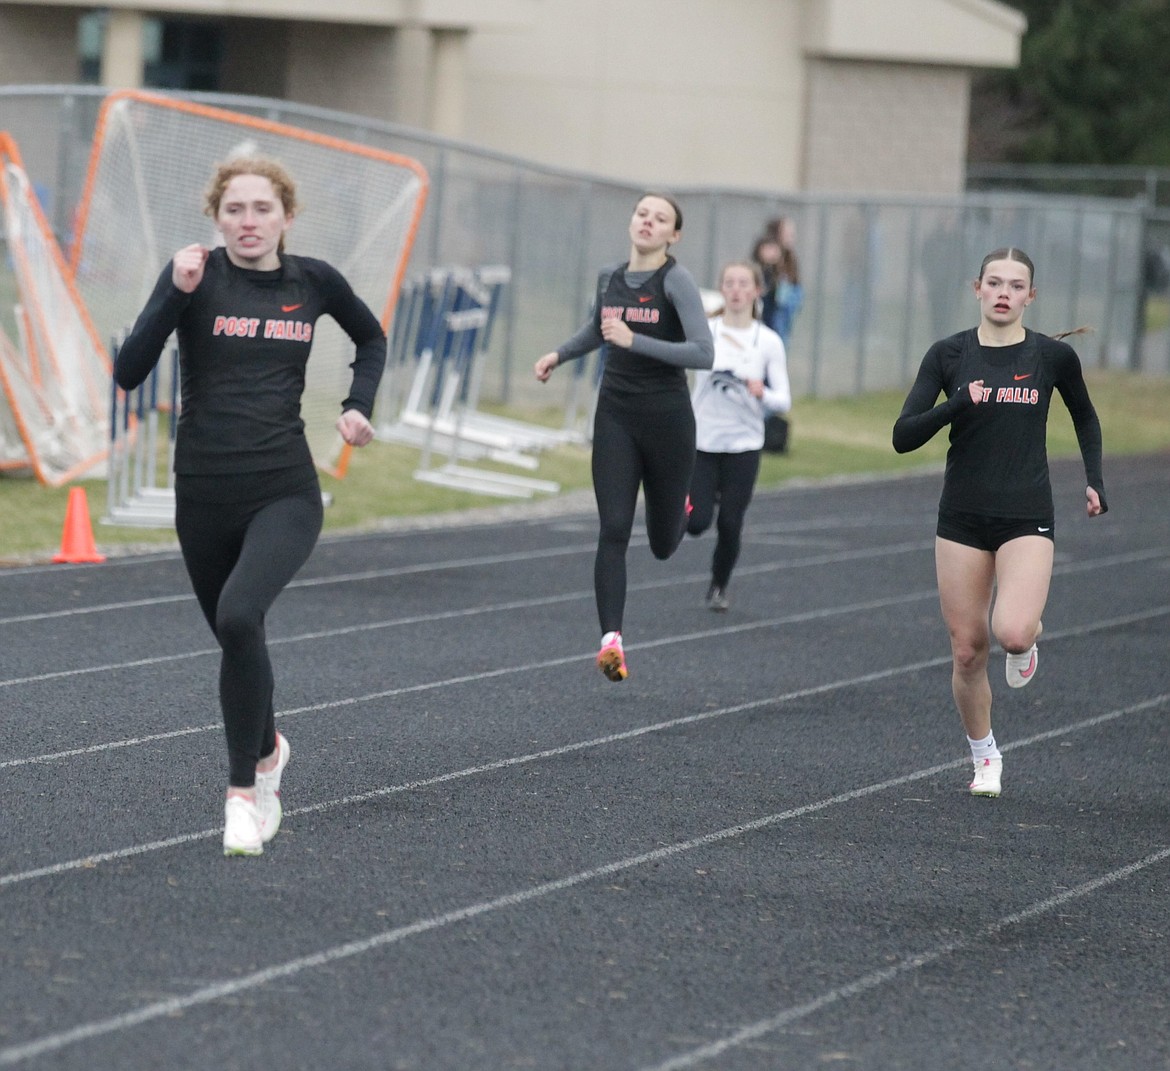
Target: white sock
[(984, 749), (609, 637)]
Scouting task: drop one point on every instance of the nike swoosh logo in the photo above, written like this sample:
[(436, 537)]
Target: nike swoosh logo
[(1027, 376), (291, 308), (643, 300), (1043, 529)]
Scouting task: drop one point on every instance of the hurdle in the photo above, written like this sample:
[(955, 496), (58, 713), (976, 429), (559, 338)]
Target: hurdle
[(134, 495), (431, 355), (401, 411), (456, 348), (579, 428), (485, 291)]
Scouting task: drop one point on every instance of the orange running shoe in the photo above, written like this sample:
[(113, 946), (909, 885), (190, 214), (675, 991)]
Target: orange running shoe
[(611, 659)]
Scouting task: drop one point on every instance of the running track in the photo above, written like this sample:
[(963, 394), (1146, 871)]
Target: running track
[(756, 853)]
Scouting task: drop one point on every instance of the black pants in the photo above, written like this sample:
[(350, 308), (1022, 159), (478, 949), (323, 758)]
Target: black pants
[(728, 479), (655, 451), (240, 555)]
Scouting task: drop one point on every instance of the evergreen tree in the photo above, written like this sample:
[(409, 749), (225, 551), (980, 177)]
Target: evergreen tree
[(1091, 87)]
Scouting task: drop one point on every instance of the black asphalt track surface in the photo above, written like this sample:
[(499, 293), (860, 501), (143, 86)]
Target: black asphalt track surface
[(758, 852)]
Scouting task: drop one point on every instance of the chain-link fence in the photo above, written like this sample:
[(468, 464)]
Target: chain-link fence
[(883, 276), (1147, 186)]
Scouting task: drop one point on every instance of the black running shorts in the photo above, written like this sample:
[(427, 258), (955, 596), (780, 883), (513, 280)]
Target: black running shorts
[(989, 533)]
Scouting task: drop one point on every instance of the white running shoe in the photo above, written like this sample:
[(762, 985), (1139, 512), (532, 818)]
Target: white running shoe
[(241, 827), (268, 792), (1021, 668), (988, 775)]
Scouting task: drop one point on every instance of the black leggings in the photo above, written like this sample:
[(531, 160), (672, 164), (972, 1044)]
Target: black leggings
[(729, 479), (652, 450), (240, 556)]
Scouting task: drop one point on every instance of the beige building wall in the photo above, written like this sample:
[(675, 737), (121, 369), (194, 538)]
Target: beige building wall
[(761, 94), (38, 44), (349, 68), (883, 127), (964, 33), (682, 92), (765, 94)]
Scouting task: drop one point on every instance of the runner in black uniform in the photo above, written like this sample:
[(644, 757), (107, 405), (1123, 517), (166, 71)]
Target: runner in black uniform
[(247, 501), (995, 522), (648, 314)]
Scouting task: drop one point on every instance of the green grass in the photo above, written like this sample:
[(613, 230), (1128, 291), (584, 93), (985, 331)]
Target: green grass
[(1157, 314), (848, 436)]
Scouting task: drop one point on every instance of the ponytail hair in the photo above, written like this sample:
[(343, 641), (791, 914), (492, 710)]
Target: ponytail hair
[(1020, 257), (1084, 330)]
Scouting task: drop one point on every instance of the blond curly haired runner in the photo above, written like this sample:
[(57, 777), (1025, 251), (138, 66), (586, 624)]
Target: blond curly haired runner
[(247, 500)]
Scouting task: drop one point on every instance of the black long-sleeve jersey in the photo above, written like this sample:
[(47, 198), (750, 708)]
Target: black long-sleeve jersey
[(244, 341), (997, 464), (664, 309)]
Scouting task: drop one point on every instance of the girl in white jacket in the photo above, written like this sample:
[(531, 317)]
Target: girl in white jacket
[(748, 380)]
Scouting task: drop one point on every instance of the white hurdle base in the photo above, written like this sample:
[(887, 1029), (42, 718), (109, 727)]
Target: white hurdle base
[(486, 483), (419, 434), (148, 508)]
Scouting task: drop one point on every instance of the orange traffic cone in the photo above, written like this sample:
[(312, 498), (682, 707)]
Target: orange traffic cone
[(77, 537)]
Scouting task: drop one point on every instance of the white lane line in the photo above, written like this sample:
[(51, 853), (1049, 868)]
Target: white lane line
[(756, 1030), (79, 611), (586, 519), (551, 663), (521, 604), (442, 615), (490, 559), (469, 678), (220, 990), (90, 861), (312, 582), (831, 558), (110, 667)]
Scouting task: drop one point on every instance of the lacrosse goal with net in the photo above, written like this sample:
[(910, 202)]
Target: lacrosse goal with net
[(54, 370), (151, 162)]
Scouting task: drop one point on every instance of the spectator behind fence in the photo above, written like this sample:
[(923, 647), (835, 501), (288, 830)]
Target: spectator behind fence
[(782, 295)]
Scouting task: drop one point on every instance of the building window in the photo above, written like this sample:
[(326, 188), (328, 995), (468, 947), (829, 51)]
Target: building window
[(182, 54), (91, 32), (176, 53)]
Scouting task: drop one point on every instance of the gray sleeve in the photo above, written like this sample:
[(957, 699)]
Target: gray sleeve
[(588, 335), (698, 349)]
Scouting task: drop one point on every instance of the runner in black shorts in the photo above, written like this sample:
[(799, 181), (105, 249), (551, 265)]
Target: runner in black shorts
[(648, 315), (995, 523), (247, 502)]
